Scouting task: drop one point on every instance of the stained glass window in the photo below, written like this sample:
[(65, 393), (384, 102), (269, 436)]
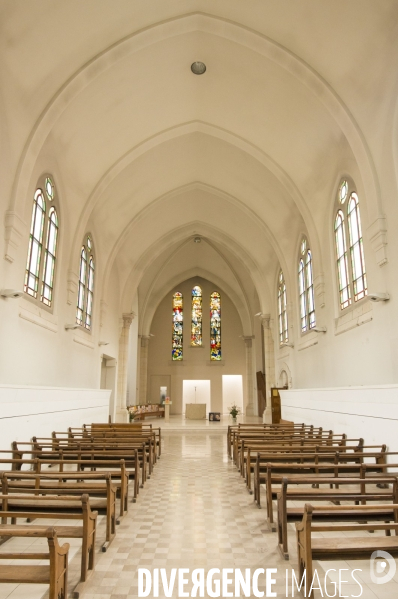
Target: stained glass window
[(178, 322), (215, 326), (196, 317), (282, 313), (50, 258), (306, 288), (342, 264), (85, 292), (356, 248)]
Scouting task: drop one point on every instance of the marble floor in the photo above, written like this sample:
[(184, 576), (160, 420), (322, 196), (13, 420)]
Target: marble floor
[(194, 512)]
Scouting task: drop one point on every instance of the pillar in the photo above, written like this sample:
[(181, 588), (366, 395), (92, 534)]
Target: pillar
[(144, 368), (249, 374), (121, 411), (269, 356)]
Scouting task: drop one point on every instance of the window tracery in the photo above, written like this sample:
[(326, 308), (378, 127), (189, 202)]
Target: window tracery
[(306, 288), (41, 265), (85, 293)]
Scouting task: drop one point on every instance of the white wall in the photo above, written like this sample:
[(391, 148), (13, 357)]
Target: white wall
[(196, 392), (368, 412), (37, 411), (232, 392)]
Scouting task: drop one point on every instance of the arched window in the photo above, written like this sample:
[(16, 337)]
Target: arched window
[(215, 326), (85, 293), (178, 321), (40, 266), (342, 265), (196, 317), (306, 288), (282, 313), (347, 225), (356, 248)]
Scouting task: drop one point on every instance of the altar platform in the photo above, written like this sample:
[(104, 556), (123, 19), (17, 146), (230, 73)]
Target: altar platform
[(178, 423)]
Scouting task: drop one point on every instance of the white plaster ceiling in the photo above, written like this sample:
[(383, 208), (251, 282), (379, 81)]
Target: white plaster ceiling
[(146, 152)]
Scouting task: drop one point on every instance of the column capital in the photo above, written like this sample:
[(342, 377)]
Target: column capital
[(248, 339), (266, 321), (145, 340), (128, 318)]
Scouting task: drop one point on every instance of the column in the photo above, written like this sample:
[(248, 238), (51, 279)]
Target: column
[(249, 374), (121, 412), (144, 368), (269, 355)]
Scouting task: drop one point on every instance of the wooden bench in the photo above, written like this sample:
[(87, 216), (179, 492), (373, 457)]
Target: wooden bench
[(250, 450), (102, 494), (269, 467), (302, 491), (88, 451), (22, 508), (336, 547), (55, 574)]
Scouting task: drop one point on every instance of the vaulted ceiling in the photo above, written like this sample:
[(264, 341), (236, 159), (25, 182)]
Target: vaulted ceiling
[(147, 155)]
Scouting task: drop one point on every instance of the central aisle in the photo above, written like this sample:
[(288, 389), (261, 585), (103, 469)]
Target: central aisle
[(194, 513)]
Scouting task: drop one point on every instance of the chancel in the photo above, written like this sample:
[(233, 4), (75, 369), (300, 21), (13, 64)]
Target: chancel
[(197, 295)]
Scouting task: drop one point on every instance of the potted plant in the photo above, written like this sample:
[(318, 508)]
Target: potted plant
[(234, 411)]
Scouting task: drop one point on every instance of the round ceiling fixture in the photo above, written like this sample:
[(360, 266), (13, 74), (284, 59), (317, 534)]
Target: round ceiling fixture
[(198, 68), (197, 239)]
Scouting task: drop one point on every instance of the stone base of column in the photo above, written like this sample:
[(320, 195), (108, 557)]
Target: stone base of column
[(249, 411), (122, 416), (267, 415)]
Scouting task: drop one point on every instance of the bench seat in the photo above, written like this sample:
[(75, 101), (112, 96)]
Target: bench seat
[(349, 547), (28, 574)]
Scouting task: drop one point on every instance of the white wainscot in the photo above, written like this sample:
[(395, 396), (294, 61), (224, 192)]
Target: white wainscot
[(37, 411), (368, 412)]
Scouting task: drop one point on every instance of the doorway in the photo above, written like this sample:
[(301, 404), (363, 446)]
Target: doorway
[(232, 392), (108, 381), (196, 391)]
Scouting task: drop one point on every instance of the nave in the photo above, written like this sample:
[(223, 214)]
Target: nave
[(194, 512)]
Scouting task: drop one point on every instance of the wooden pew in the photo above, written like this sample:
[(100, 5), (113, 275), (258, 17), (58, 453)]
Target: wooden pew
[(82, 511), (117, 470), (361, 493), (315, 462), (89, 452), (232, 429), (335, 547), (55, 574), (348, 454), (102, 494)]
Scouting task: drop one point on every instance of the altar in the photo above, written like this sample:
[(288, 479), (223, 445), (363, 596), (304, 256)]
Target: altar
[(195, 411)]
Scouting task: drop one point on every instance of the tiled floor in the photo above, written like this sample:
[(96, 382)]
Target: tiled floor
[(194, 512)]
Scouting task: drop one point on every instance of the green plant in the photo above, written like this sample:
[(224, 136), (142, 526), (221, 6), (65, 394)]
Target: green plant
[(234, 410)]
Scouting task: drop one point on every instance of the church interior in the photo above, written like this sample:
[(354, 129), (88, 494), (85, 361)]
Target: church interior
[(198, 207)]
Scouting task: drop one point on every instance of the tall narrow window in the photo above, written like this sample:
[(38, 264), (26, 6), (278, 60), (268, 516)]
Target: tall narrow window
[(85, 292), (178, 320), (306, 288), (40, 265), (196, 317), (215, 326), (35, 244), (356, 249), (282, 313), (347, 225), (50, 258), (342, 265)]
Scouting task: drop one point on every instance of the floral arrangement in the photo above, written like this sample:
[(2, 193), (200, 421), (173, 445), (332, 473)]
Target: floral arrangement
[(132, 412), (234, 410)]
